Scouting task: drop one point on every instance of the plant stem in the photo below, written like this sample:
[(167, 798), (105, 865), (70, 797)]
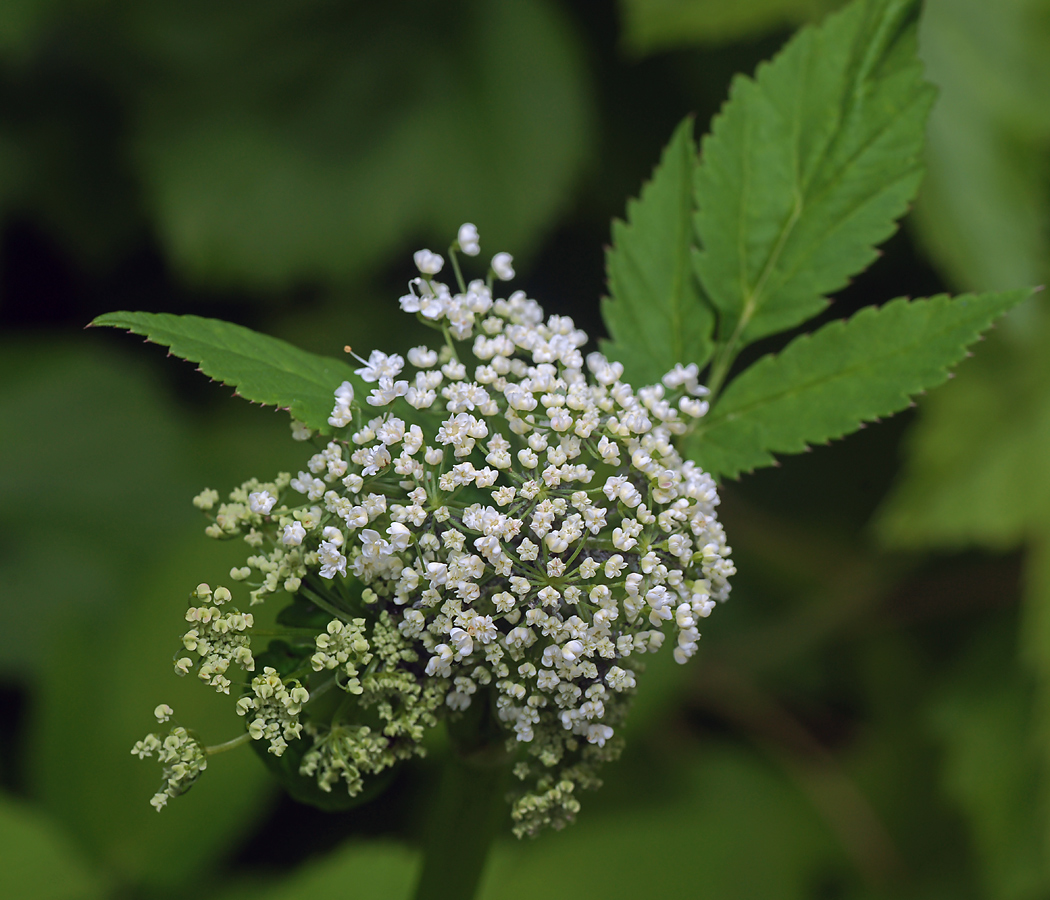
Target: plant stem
[(462, 825), (228, 745)]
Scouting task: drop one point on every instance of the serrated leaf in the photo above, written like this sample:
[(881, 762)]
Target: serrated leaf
[(809, 166), (824, 385), (656, 313), (263, 369)]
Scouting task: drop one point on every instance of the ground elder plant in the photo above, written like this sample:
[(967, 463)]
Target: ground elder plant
[(489, 536)]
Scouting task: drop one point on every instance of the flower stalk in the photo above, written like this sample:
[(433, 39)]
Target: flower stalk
[(463, 822)]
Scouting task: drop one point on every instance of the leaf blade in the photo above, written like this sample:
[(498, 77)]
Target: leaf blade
[(261, 368), (826, 384), (808, 167), (656, 313)]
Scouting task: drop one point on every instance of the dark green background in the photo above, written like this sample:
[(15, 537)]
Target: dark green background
[(867, 717)]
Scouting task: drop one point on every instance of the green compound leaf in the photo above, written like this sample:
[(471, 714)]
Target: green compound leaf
[(809, 166), (263, 369), (824, 385), (656, 314)]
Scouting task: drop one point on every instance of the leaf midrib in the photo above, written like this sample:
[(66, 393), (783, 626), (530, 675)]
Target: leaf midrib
[(753, 301), (839, 373), (280, 363)]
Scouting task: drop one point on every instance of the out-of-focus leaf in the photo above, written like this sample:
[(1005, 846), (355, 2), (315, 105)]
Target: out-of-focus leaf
[(824, 385), (652, 25), (21, 21), (983, 720), (90, 452), (656, 314), (733, 829), (362, 871), (1035, 647), (983, 208), (808, 167), (281, 143), (263, 369), (977, 468), (104, 545), (37, 862), (103, 678)]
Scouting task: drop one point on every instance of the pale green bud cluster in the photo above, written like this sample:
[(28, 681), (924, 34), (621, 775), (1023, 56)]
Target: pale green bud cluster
[(182, 756)]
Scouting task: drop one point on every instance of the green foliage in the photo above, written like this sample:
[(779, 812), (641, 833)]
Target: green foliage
[(107, 485), (359, 870), (731, 827), (265, 168), (39, 862), (104, 676), (823, 386), (262, 155), (977, 470), (656, 314), (263, 369), (90, 577), (982, 718), (653, 25), (808, 167), (285, 143), (983, 208)]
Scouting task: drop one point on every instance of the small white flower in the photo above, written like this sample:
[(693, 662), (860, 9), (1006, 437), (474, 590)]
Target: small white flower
[(468, 239), (428, 263), (301, 432), (502, 266), (261, 502), (572, 650), (163, 712), (332, 561), (388, 391), (422, 357), (379, 366), (332, 535)]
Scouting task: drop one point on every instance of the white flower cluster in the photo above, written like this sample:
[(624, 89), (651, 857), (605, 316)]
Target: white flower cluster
[(521, 524)]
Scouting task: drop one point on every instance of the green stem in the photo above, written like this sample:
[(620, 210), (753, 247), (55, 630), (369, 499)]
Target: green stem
[(228, 745), (463, 823)]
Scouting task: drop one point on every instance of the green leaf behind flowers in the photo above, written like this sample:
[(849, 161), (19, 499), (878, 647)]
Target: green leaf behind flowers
[(263, 369), (656, 314), (824, 385), (808, 167)]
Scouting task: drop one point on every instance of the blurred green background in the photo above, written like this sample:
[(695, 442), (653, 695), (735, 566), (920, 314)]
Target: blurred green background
[(869, 716)]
